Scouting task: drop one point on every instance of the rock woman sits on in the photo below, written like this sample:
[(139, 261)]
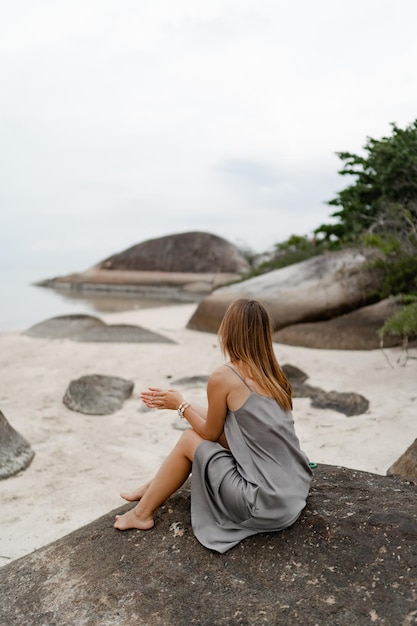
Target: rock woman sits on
[(249, 474)]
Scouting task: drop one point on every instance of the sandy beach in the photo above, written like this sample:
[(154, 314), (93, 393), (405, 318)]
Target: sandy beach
[(82, 462)]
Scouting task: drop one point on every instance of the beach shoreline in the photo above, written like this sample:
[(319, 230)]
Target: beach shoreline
[(82, 462)]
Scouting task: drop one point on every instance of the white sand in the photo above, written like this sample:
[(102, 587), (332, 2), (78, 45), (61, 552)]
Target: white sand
[(82, 462)]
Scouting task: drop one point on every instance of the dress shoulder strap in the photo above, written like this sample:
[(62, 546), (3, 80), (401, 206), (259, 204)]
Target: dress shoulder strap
[(237, 374)]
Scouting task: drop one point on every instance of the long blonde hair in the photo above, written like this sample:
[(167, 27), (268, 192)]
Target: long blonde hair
[(245, 335)]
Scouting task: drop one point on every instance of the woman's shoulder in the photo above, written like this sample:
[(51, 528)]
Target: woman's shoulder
[(222, 375), (219, 373)]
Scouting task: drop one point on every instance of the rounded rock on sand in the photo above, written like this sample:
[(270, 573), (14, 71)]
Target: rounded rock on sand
[(97, 394), (15, 452), (64, 326)]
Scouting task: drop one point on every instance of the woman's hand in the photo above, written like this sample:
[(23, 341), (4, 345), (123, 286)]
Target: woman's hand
[(156, 398)]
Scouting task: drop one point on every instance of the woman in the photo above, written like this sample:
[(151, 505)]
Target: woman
[(248, 472)]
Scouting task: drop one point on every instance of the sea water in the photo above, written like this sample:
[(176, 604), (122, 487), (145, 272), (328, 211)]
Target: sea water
[(24, 304)]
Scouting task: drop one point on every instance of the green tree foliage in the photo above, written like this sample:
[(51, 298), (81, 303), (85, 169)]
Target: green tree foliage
[(403, 322), (379, 209), (395, 235), (385, 177), (293, 250)]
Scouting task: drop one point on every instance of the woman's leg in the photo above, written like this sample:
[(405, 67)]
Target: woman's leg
[(137, 494), (171, 475)]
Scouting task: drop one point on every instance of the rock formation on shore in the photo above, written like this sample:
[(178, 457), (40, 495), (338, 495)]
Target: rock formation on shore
[(186, 252), (328, 301), (179, 267), (350, 559), (357, 330), (324, 302), (87, 328), (15, 452), (348, 403)]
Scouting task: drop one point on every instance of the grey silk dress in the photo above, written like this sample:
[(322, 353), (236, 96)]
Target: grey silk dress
[(259, 485)]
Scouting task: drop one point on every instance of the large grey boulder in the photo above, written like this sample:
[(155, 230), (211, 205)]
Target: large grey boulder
[(87, 328), (15, 452), (319, 288), (184, 252), (350, 559), (63, 326), (97, 395), (357, 330)]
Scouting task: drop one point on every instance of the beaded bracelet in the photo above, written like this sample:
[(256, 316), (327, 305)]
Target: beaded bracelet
[(182, 407)]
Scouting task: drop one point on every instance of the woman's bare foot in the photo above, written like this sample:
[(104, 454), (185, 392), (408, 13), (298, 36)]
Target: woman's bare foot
[(134, 496), (132, 520)]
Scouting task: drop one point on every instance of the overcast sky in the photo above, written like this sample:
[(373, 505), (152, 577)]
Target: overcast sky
[(123, 121)]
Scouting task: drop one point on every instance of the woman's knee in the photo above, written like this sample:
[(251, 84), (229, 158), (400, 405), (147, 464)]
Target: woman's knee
[(189, 441)]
